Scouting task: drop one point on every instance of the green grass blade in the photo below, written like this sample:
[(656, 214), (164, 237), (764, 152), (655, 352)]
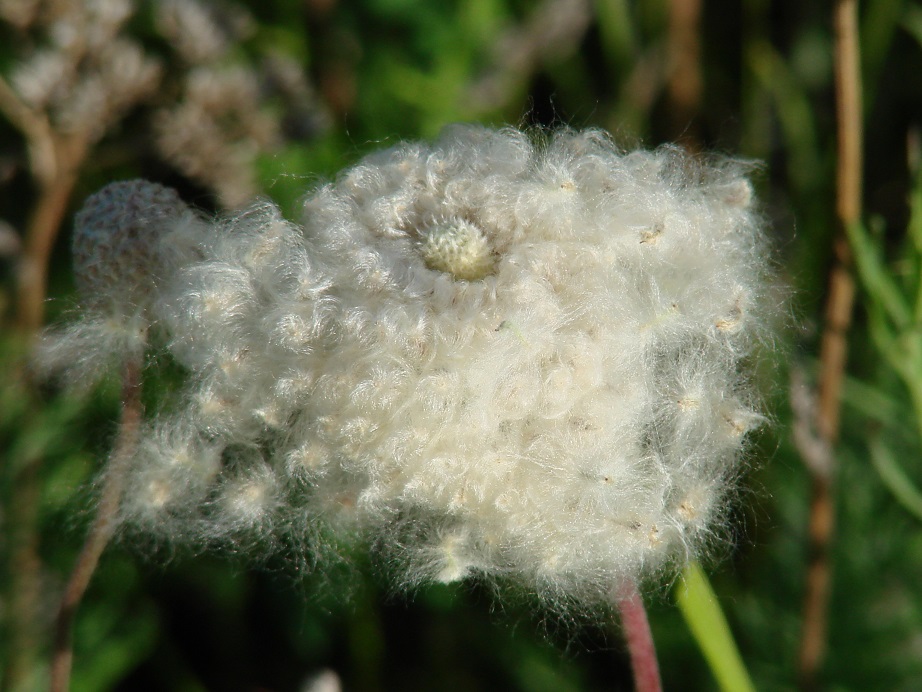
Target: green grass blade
[(795, 114), (876, 278), (896, 480), (709, 627)]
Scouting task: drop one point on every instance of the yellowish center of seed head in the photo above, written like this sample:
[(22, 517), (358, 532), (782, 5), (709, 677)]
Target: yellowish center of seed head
[(459, 248)]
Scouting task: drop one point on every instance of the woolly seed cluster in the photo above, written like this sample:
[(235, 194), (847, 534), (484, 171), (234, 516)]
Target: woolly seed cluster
[(487, 356)]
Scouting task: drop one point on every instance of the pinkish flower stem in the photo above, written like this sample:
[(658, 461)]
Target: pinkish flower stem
[(639, 639)]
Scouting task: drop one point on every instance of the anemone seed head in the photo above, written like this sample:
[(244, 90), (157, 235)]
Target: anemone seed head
[(492, 355)]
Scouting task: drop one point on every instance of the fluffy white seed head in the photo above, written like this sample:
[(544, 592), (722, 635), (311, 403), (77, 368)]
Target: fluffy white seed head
[(489, 356), (171, 478)]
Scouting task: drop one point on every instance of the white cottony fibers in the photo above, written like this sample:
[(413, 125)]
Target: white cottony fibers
[(487, 356)]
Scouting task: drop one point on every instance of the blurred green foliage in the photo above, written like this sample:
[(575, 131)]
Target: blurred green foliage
[(392, 69)]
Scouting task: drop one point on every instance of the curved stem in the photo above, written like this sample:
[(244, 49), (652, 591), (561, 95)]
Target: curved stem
[(103, 526), (44, 225), (639, 639)]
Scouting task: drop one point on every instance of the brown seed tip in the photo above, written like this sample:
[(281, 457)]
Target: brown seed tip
[(115, 238)]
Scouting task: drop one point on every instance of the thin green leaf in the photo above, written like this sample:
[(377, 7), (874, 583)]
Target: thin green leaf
[(896, 480), (873, 402), (879, 22), (914, 231), (912, 22), (886, 342), (705, 619), (795, 112), (617, 30), (875, 277), (915, 213)]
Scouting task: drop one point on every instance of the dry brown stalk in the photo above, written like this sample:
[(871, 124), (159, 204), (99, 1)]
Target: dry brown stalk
[(833, 350), (42, 231), (103, 526), (54, 162), (22, 542)]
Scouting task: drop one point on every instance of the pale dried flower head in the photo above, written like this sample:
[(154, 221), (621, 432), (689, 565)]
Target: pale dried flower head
[(202, 32), (83, 71), (121, 77), (20, 13), (215, 132), (88, 75), (40, 80)]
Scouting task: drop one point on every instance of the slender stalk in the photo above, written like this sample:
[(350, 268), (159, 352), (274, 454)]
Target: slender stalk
[(639, 639), (54, 161), (41, 234), (103, 526), (833, 349), (24, 567)]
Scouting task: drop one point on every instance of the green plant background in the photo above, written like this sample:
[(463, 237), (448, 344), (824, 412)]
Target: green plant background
[(395, 69)]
